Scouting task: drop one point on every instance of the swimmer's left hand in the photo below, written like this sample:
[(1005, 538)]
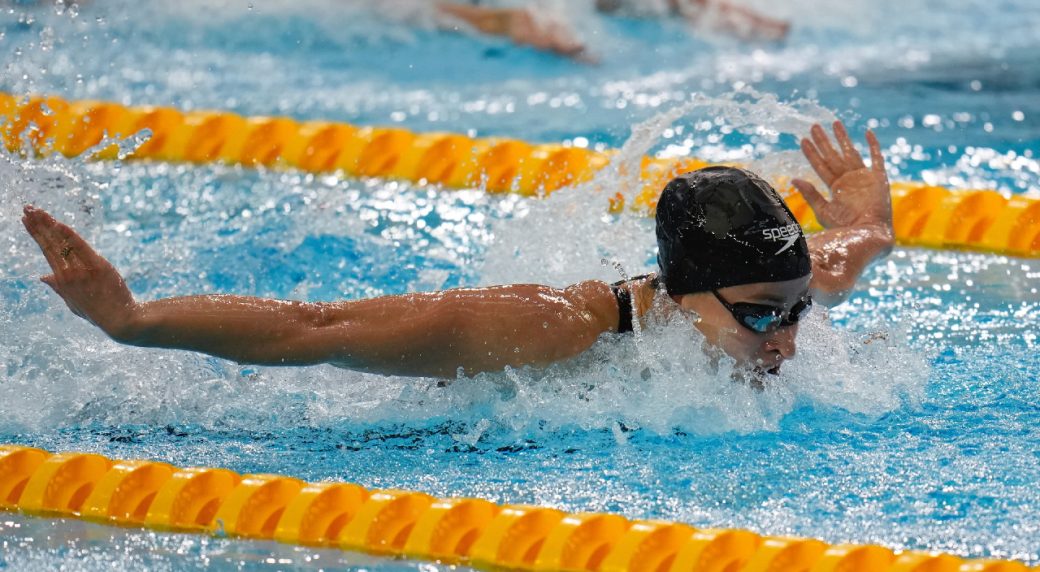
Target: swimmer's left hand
[(91, 287), (860, 196), (857, 217)]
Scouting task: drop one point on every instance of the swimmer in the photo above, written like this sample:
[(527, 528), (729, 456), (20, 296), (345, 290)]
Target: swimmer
[(730, 253), (523, 26), (540, 30), (719, 15)]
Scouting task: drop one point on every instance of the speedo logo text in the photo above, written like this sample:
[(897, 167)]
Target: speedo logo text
[(790, 234)]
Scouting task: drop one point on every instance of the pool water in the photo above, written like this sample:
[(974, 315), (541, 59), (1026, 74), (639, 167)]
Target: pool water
[(909, 418)]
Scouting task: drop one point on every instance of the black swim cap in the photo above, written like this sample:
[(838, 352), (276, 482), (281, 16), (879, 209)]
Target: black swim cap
[(721, 226)]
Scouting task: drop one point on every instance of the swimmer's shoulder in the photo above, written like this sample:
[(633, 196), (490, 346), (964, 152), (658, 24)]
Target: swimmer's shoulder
[(613, 305), (596, 298), (641, 291)]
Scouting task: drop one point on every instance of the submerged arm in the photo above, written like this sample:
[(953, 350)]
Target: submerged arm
[(857, 218), (431, 334)]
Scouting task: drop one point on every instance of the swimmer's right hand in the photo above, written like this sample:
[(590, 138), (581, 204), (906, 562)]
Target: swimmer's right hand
[(91, 287)]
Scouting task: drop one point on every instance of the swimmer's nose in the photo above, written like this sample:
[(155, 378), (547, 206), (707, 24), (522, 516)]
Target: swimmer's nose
[(782, 342)]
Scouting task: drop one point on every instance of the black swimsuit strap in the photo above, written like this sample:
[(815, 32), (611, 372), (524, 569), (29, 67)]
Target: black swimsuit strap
[(624, 306), (624, 301)]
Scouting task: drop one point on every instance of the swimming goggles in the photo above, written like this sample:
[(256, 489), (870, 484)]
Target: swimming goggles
[(763, 318)]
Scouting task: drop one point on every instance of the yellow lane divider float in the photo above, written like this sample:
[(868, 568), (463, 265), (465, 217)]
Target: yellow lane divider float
[(474, 531), (930, 216), (414, 524)]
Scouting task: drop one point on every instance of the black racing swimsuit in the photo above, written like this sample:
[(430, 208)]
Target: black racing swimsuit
[(624, 301)]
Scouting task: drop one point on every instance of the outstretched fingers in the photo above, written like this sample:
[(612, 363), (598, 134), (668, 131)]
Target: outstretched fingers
[(877, 160), (835, 161), (63, 247), (42, 233), (852, 157), (89, 285), (817, 161), (812, 196), (76, 250), (64, 250)]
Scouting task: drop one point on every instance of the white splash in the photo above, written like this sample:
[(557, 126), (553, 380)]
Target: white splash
[(62, 372)]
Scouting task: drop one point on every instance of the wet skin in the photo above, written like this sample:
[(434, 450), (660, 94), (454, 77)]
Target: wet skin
[(761, 351), (857, 219), (438, 334)]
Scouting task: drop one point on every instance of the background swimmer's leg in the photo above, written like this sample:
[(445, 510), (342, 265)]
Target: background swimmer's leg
[(521, 25)]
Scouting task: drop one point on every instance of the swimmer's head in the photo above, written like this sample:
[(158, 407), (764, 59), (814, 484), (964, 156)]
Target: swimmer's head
[(730, 250)]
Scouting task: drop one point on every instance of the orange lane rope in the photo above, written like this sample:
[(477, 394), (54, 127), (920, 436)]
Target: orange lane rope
[(414, 524), (928, 216)]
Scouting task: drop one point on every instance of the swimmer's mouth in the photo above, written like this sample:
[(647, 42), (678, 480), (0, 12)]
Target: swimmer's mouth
[(771, 371)]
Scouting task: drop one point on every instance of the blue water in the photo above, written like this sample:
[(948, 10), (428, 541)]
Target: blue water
[(909, 419)]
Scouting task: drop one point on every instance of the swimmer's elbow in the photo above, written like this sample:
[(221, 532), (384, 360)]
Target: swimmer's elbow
[(831, 288)]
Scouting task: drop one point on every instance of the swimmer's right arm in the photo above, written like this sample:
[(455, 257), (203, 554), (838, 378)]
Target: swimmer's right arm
[(426, 334)]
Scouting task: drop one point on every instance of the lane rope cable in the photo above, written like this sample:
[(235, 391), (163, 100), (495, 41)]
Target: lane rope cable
[(412, 524), (924, 215), (395, 522)]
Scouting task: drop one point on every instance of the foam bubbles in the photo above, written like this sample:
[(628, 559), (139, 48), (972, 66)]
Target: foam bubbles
[(533, 245), (62, 372)]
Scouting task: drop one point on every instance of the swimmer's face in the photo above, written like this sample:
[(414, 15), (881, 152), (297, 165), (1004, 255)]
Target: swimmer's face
[(761, 351)]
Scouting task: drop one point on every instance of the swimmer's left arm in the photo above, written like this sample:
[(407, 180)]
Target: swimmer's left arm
[(857, 218), (431, 334)]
